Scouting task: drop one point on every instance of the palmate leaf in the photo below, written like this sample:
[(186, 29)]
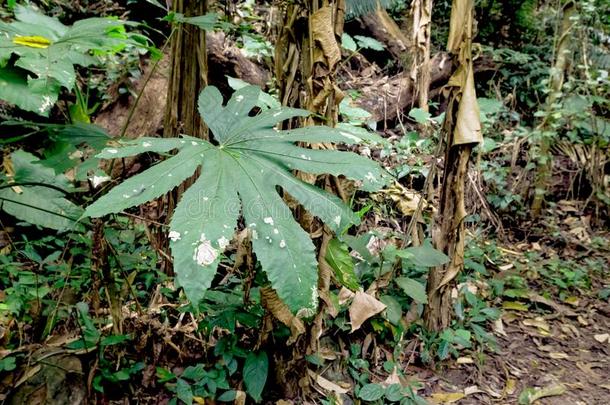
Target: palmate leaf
[(243, 175)]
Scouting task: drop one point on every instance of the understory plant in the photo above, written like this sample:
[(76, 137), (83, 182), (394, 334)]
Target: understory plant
[(39, 55), (243, 171)]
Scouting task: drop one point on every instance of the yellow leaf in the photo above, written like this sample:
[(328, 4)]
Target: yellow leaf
[(511, 386), (446, 397), (35, 41), (199, 400), (514, 305), (538, 322)]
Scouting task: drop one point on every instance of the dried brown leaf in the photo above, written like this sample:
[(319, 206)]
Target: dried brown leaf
[(363, 307)]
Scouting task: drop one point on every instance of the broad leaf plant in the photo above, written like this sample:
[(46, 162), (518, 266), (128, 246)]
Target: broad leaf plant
[(38, 55), (244, 173)]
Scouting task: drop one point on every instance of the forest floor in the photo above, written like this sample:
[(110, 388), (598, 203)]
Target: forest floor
[(556, 351)]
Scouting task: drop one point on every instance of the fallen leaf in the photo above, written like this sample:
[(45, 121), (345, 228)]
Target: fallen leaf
[(562, 309), (515, 305), (572, 300), (363, 307), (446, 397), (464, 360), (510, 387), (345, 294), (498, 327), (327, 384), (540, 324), (604, 337), (530, 395), (558, 355)]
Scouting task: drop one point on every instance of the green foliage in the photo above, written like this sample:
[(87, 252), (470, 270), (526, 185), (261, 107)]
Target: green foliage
[(197, 382), (359, 42), (255, 373), (38, 55), (251, 160), (339, 259), (413, 289), (37, 195)]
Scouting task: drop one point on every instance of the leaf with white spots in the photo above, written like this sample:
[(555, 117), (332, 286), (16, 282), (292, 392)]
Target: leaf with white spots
[(203, 224), (284, 249), (150, 184), (244, 173), (144, 144)]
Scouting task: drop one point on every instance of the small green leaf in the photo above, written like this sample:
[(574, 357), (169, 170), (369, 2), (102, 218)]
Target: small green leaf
[(393, 311), (255, 374), (420, 116), (413, 289), (371, 392), (394, 393), (164, 375), (426, 256), (348, 43), (369, 43), (206, 22), (462, 337), (8, 364), (184, 392), (227, 396), (339, 259)]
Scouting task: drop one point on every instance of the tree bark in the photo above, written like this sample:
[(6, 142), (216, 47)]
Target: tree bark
[(307, 54), (563, 55), (188, 74), (384, 29), (187, 78), (463, 131)]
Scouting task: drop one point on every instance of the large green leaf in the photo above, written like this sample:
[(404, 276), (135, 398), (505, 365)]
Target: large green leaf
[(14, 89), (47, 51), (243, 174), (43, 205)]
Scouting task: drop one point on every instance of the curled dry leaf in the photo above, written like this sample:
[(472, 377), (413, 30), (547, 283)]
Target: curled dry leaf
[(278, 308), (363, 307), (345, 295)]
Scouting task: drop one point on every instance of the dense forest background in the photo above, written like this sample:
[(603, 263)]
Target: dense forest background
[(305, 202)]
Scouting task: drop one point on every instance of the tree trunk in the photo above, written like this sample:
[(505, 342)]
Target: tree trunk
[(187, 78), (463, 131), (307, 54), (188, 74), (421, 13), (563, 55), (383, 28)]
